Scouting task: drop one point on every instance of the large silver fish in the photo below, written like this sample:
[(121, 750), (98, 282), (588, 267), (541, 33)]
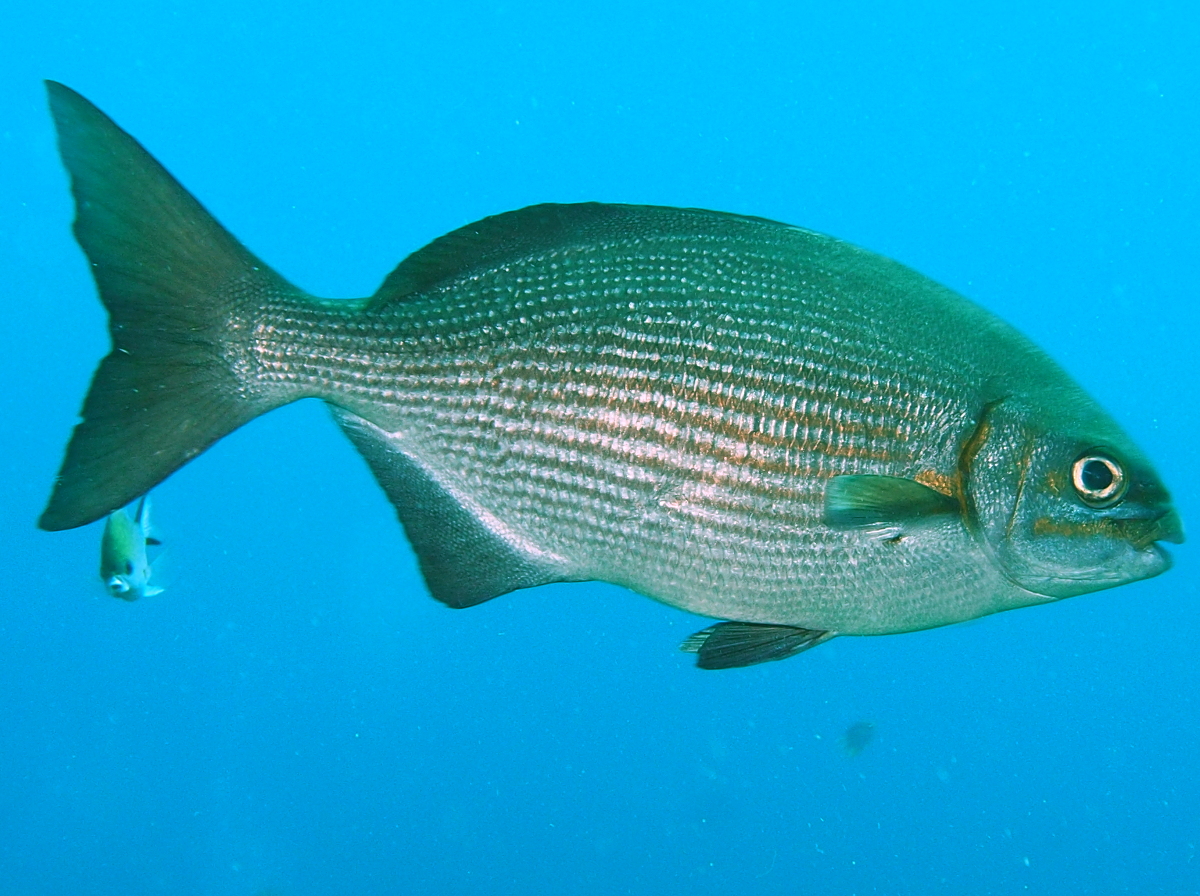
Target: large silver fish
[(743, 419)]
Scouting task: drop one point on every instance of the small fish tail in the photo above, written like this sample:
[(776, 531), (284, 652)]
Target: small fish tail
[(141, 516), (176, 284)]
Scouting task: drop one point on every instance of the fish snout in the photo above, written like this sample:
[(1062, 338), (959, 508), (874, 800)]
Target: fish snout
[(1166, 526), (1170, 527), (1146, 535)]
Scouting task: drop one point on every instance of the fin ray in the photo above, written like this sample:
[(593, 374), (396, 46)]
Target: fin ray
[(730, 645)]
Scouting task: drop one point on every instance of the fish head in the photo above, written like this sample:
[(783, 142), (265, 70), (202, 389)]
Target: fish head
[(1064, 500)]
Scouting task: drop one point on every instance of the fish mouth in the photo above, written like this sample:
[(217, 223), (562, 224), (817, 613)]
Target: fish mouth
[(1145, 536), (1147, 559)]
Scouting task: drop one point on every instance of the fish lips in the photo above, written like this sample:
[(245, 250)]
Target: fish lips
[(1166, 527)]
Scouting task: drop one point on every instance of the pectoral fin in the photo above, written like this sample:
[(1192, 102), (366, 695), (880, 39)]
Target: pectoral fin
[(853, 501), (729, 645)]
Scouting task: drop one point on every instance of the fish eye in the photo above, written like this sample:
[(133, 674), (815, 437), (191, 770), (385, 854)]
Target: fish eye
[(1098, 479), (128, 568)]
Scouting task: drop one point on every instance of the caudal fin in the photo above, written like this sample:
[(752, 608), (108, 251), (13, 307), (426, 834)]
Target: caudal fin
[(176, 285)]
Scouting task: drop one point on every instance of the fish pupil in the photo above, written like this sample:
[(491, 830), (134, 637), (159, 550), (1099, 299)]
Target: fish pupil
[(1096, 475), (128, 568)]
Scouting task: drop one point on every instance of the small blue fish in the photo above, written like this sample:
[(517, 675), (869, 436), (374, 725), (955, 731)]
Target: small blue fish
[(124, 566)]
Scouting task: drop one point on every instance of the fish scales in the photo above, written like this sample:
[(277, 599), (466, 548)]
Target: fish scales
[(740, 418), (565, 405)]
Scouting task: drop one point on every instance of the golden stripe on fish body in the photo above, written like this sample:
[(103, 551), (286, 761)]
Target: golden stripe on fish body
[(733, 416)]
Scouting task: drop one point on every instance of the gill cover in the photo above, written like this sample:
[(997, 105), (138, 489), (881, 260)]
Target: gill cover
[(1040, 497)]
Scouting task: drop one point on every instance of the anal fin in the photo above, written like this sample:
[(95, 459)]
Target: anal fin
[(729, 645), (464, 562)]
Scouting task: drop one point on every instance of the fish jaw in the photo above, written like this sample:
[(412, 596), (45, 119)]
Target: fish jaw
[(1144, 557)]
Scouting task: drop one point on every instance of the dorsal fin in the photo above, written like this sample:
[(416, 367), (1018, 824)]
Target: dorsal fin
[(537, 228)]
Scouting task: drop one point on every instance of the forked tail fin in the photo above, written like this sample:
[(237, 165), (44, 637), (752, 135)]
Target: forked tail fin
[(177, 287)]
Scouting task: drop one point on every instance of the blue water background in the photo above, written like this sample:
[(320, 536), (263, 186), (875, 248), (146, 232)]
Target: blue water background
[(296, 716)]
